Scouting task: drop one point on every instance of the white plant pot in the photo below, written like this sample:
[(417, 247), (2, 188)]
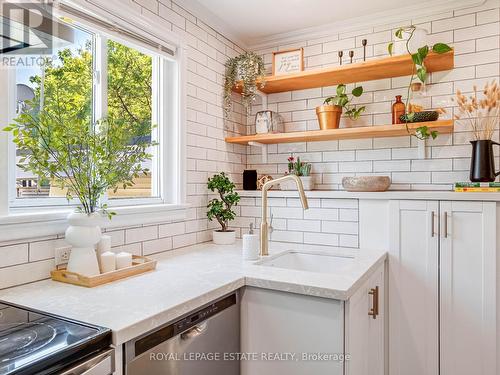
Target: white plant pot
[(83, 233), (307, 183), (224, 238)]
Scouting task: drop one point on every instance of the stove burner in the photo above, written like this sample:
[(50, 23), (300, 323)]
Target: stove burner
[(20, 339)]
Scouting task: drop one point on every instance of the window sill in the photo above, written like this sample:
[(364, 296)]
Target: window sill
[(44, 222)]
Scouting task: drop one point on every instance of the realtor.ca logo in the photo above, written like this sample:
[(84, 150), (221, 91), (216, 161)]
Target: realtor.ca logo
[(27, 28)]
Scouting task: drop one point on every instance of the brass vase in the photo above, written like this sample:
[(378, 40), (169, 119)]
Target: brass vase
[(329, 116)]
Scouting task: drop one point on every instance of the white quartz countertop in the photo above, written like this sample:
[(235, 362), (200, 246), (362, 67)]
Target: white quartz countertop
[(385, 195), (184, 280)]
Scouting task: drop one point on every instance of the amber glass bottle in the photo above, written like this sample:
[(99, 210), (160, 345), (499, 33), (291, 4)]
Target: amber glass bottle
[(398, 109)]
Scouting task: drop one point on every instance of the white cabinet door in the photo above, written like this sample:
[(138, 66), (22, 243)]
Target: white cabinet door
[(275, 323), (468, 288), (376, 327), (365, 335), (413, 288)]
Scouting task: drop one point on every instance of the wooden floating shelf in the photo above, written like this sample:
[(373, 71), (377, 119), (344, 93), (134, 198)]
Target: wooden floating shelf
[(370, 70), (377, 131)]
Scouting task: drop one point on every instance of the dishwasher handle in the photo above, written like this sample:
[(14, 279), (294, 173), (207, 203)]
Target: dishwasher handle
[(197, 330)]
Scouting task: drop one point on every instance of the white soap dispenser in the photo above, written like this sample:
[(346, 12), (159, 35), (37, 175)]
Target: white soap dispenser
[(250, 245)]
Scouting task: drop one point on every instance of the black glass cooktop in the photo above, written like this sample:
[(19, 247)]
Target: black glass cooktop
[(32, 342)]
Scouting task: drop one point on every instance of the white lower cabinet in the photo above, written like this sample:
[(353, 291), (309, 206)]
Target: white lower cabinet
[(442, 288), (277, 323)]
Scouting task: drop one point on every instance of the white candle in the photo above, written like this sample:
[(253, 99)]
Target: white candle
[(104, 245), (108, 261), (123, 260)]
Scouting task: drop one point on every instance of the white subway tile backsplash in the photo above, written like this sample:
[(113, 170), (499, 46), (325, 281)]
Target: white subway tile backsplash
[(13, 254)]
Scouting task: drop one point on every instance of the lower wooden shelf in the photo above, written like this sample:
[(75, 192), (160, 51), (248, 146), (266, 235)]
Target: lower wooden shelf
[(378, 131)]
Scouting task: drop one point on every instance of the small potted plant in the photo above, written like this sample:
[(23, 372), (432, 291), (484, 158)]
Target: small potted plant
[(221, 209), (329, 113), (84, 159), (247, 68), (301, 169)]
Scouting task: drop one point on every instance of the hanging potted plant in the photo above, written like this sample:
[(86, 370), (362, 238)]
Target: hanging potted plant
[(329, 113), (245, 71), (84, 159), (301, 169), (221, 209)]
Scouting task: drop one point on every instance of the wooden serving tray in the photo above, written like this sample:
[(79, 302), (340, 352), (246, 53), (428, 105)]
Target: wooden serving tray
[(139, 265)]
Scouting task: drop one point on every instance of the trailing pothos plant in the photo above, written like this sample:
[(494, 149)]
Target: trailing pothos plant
[(84, 158), (419, 71), (341, 99), (249, 68)]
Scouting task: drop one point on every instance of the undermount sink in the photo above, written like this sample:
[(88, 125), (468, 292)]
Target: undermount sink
[(308, 261)]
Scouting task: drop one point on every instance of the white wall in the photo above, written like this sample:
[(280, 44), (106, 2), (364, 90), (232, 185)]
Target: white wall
[(473, 32)]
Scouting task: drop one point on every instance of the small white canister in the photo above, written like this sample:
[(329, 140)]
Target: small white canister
[(250, 245), (123, 260)]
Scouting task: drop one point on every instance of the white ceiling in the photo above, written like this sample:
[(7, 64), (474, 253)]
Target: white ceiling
[(252, 21)]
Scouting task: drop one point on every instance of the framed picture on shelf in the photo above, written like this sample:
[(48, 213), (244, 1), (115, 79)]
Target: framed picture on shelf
[(288, 61)]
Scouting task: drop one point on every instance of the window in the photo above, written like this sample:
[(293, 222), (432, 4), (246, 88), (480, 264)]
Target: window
[(100, 74)]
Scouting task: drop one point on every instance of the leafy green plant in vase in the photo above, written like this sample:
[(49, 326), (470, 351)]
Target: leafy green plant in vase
[(419, 72), (221, 209), (249, 69), (85, 159), (301, 169), (329, 113)]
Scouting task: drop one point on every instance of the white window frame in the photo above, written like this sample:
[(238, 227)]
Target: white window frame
[(44, 216)]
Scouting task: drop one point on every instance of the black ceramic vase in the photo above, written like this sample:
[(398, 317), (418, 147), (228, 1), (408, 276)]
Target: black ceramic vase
[(482, 165)]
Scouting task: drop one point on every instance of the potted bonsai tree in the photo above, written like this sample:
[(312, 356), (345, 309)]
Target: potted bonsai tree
[(84, 159), (301, 169), (221, 209), (247, 68), (329, 113)]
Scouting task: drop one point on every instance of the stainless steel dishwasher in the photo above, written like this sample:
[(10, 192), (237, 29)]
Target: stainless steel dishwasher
[(205, 341)]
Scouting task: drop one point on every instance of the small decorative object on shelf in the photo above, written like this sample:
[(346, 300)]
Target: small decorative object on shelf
[(483, 116), (477, 187), (341, 53), (422, 116), (329, 113), (366, 183), (249, 179), (221, 210), (364, 42), (287, 62), (301, 169), (413, 40), (398, 109), (268, 122), (351, 55), (249, 68), (262, 180)]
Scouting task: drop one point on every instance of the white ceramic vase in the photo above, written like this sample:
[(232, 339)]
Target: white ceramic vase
[(224, 238), (307, 183), (83, 233)]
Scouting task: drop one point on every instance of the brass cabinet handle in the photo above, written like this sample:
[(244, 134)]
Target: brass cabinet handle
[(374, 310)]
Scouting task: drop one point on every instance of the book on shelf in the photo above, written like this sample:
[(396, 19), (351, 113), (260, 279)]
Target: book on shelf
[(477, 189), (477, 185)]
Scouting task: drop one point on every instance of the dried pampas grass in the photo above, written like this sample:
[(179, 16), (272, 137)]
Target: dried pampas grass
[(483, 114)]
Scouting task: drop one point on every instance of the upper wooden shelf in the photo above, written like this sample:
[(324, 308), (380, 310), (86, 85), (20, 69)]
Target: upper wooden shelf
[(386, 67), (378, 131)]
